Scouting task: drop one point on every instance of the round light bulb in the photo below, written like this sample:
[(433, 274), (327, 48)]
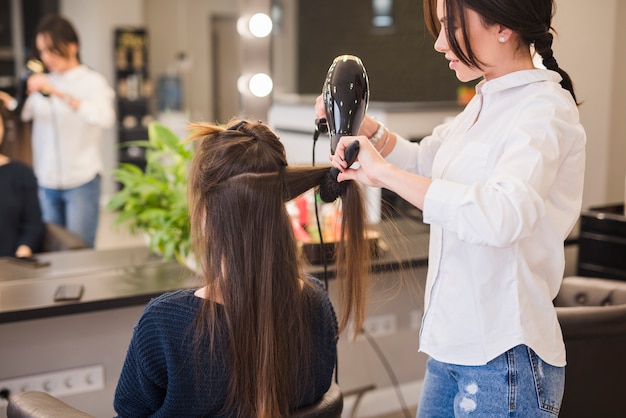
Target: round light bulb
[(242, 84), (260, 85), (260, 25)]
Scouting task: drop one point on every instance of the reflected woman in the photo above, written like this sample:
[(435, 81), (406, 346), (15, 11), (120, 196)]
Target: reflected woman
[(21, 226)]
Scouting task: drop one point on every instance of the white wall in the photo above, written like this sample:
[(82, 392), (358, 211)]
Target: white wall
[(588, 47), (617, 145), (185, 26)]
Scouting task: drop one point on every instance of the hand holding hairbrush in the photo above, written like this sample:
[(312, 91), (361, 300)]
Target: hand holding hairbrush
[(330, 189), (350, 157)]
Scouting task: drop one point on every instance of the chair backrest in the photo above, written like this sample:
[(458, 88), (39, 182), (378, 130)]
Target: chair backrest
[(58, 238), (590, 291), (592, 314), (329, 406), (43, 405)]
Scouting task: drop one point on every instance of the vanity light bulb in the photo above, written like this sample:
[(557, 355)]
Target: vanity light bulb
[(242, 84), (260, 85), (260, 25)]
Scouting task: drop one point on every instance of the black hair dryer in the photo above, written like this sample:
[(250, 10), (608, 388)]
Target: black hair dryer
[(346, 96), (33, 66)]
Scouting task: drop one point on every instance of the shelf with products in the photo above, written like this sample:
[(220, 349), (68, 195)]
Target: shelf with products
[(134, 90)]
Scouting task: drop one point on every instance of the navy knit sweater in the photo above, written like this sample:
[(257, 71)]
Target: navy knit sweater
[(160, 377)]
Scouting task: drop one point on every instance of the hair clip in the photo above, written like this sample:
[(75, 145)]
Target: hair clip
[(236, 126)]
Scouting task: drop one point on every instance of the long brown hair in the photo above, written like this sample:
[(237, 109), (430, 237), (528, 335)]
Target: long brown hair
[(242, 235)]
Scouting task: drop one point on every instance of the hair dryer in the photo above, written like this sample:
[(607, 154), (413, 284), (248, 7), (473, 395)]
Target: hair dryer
[(33, 66), (346, 96)]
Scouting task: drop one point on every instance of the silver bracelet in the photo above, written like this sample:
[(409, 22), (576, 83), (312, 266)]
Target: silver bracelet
[(380, 150), (374, 139)]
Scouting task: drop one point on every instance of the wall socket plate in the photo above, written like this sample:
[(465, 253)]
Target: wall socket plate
[(58, 383), (381, 325), (415, 319)]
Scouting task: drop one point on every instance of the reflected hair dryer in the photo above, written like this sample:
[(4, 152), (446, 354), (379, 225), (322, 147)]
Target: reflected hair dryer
[(33, 66), (346, 96)]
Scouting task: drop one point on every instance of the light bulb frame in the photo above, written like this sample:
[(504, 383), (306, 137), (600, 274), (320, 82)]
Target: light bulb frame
[(258, 85), (259, 25)]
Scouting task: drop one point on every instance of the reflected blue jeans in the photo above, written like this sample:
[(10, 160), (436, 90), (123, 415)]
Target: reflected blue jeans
[(515, 384), (76, 209)]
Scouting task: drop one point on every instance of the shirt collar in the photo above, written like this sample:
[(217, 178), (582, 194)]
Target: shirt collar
[(72, 72), (517, 79)]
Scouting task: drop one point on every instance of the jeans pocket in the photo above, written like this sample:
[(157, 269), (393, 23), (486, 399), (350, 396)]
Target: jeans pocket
[(549, 382)]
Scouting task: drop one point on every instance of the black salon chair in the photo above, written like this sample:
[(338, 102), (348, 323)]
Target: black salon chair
[(58, 238), (43, 405), (592, 314)]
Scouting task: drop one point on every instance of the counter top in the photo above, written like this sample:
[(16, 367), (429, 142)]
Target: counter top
[(124, 277), (109, 279)]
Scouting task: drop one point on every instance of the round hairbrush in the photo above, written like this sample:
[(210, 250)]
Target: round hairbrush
[(331, 189)]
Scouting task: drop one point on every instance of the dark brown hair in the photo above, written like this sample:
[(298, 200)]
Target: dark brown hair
[(61, 33), (530, 19), (242, 235)]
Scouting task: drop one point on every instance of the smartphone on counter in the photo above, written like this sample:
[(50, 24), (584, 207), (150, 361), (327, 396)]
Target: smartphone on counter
[(34, 262), (67, 292)]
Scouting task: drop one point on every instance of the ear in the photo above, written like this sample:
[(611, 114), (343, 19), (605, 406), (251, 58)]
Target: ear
[(503, 33), (73, 49)]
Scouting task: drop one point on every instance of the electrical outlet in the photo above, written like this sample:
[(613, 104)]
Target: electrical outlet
[(415, 319), (58, 383), (380, 325)]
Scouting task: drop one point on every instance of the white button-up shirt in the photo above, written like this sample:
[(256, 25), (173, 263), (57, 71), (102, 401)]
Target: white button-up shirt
[(507, 190), (67, 143)]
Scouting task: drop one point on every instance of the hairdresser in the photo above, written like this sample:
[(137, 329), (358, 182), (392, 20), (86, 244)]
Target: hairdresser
[(70, 106), (501, 187)]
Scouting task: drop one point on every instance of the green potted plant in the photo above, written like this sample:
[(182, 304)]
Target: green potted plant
[(154, 201)]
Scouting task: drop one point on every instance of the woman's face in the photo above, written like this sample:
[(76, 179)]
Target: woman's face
[(484, 42), (52, 59)]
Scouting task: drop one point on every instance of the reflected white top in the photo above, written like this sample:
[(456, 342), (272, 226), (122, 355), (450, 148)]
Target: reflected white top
[(66, 143)]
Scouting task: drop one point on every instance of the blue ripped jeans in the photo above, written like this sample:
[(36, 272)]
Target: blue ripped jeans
[(515, 384), (76, 209)]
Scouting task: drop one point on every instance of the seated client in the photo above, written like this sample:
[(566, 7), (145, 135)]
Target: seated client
[(259, 339), (21, 225)]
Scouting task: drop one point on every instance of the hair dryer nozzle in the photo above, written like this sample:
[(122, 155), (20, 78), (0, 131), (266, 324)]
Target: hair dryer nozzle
[(346, 96), (32, 66)]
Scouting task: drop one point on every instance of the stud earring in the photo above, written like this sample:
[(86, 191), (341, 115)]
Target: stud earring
[(501, 39)]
